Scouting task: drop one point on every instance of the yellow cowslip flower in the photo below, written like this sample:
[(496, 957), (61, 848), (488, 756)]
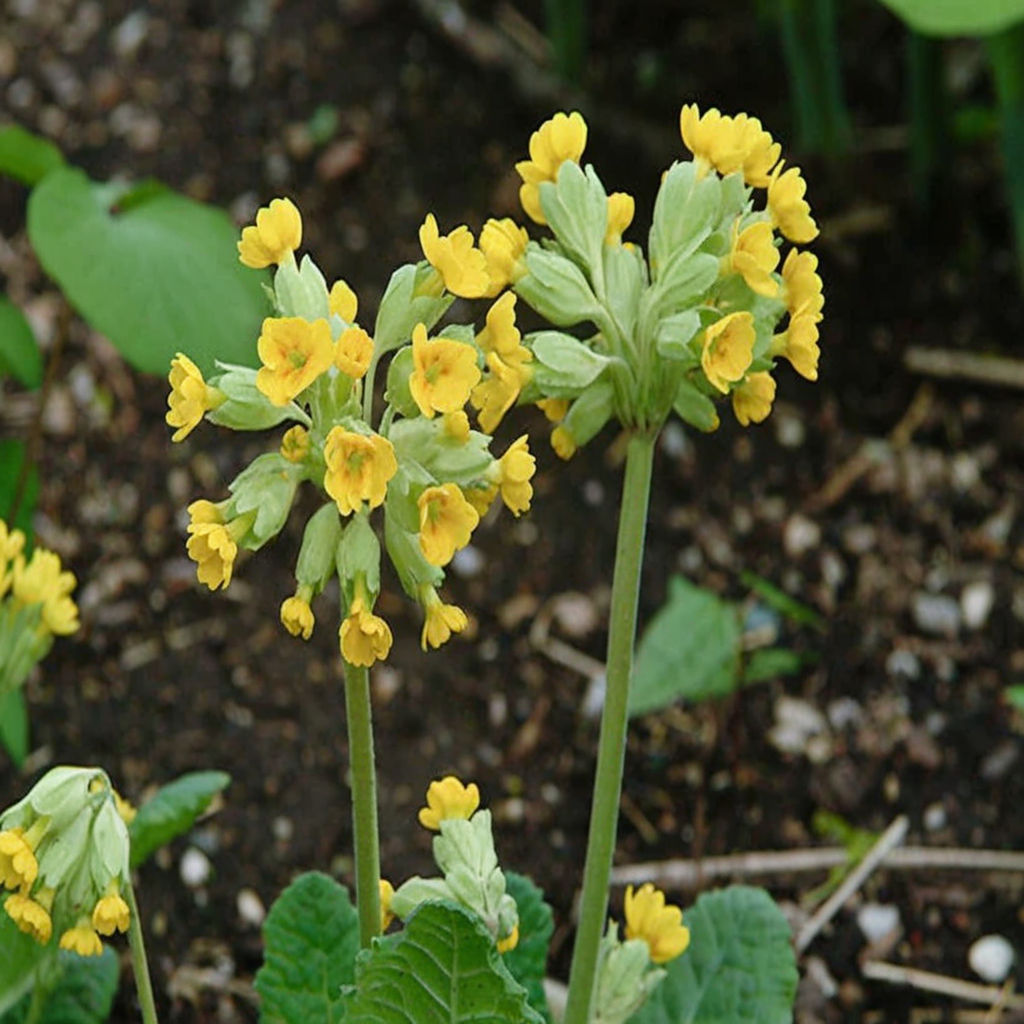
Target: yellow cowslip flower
[(444, 372), (441, 620), (503, 243), (481, 498), (621, 209), (364, 637), (294, 352), (513, 473), (562, 137), (447, 520), (448, 798), (190, 397), (510, 941), (729, 144), (82, 939), (506, 359), (276, 234), (31, 917), (387, 890), (752, 399), (12, 542), (500, 333), (358, 468), (213, 543), (295, 443), (18, 865), (353, 352), (460, 265), (342, 301), (41, 581), (789, 211), (125, 809), (563, 443), (754, 255), (496, 394), (799, 344), (760, 152), (111, 913), (659, 925), (728, 349), (456, 426), (554, 409), (801, 285), (296, 614)]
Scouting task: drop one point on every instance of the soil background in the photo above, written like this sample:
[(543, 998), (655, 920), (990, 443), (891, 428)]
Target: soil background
[(910, 545)]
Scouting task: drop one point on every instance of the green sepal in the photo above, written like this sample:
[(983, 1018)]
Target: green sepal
[(674, 337), (22, 644), (358, 557), (685, 280), (625, 276), (590, 412), (317, 561), (693, 406), (464, 333), (397, 392), (246, 407), (575, 206), (563, 366), (625, 978), (556, 288), (301, 290), (401, 538), (685, 212), (267, 486), (401, 309), (427, 443)]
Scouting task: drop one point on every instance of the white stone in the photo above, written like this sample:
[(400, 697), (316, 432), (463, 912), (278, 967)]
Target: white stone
[(800, 535), (991, 958), (250, 907), (976, 602), (935, 817), (195, 868), (936, 613), (468, 561), (878, 921), (796, 722)]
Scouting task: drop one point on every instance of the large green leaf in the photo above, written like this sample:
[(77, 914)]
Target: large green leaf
[(12, 454), (14, 725), (957, 17), (172, 811), (739, 968), (25, 156), (19, 352), (691, 649), (443, 969), (21, 956), (82, 990), (527, 963), (155, 272), (311, 937)]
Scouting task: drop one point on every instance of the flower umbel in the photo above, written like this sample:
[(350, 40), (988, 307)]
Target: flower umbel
[(448, 798)]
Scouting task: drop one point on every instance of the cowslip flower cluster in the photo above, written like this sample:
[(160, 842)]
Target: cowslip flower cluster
[(35, 606), (64, 857), (420, 461), (704, 314)]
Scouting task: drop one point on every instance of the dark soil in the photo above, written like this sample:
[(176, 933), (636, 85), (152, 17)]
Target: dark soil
[(166, 677)]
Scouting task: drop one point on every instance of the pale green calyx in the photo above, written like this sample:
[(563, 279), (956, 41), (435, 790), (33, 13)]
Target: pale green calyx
[(265, 487), (301, 290), (625, 978), (317, 556), (245, 407)]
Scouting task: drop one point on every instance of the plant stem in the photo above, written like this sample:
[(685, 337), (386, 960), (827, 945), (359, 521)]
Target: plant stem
[(364, 800), (604, 815), (140, 968), (40, 994)]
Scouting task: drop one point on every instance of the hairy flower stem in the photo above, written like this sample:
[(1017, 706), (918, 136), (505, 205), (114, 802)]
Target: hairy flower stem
[(364, 801), (140, 967), (604, 814)]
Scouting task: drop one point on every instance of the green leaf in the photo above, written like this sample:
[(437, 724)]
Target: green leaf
[(690, 649), (739, 968), (14, 725), (155, 272), (957, 17), (12, 453), (172, 811), (22, 956), (26, 157), (311, 937), (86, 990), (19, 352), (770, 663), (442, 969), (782, 602), (1015, 695), (527, 963)]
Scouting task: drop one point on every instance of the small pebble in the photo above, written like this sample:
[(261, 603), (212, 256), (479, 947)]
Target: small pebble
[(878, 921), (936, 614), (195, 868), (796, 722), (935, 817), (991, 958), (800, 535), (468, 562), (903, 663), (250, 908), (976, 602)]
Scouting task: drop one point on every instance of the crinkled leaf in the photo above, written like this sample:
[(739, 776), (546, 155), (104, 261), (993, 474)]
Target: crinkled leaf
[(957, 17), (311, 937), (12, 453), (85, 990), (443, 968), (14, 725), (27, 157), (172, 811), (527, 963), (22, 956), (19, 352), (738, 969)]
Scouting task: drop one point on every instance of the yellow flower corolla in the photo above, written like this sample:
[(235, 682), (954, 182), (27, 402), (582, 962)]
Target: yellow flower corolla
[(295, 443), (448, 798), (659, 925), (31, 917), (729, 144), (496, 394), (296, 614), (456, 426), (441, 620), (358, 468), (294, 352), (213, 543), (621, 209), (444, 372), (513, 473), (728, 349), (353, 352), (506, 359), (563, 443), (481, 498), (342, 301), (18, 865), (276, 234), (500, 334), (799, 344), (801, 284), (125, 810), (562, 137), (82, 939), (387, 891), (752, 399), (461, 266), (12, 542), (554, 409), (789, 211), (447, 520), (190, 397), (365, 638), (111, 912), (754, 255), (510, 941), (41, 582), (503, 243)]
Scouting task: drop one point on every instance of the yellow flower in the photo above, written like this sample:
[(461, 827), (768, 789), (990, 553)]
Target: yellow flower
[(496, 394), (441, 619), (728, 349), (729, 144), (31, 917), (358, 468), (82, 939), (295, 443), (789, 211), (513, 473), (296, 614), (500, 334), (42, 582), (342, 301), (213, 543), (111, 912), (481, 498), (802, 285), (294, 352), (660, 926), (621, 208), (752, 399), (510, 941), (190, 398), (554, 409), (760, 152), (353, 352), (754, 255), (125, 810), (562, 137), (563, 443), (365, 637), (387, 890), (275, 236), (456, 426), (461, 266), (444, 373), (448, 798), (506, 359), (503, 243), (447, 521), (799, 344)]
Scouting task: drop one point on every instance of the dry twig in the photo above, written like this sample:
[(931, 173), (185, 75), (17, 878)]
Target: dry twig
[(943, 984), (980, 369)]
